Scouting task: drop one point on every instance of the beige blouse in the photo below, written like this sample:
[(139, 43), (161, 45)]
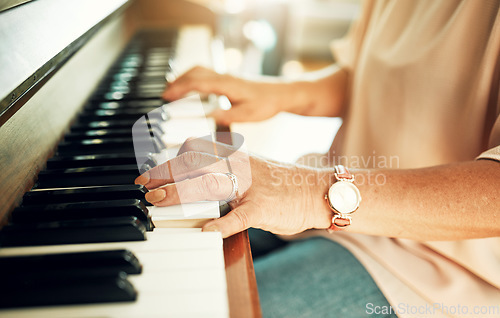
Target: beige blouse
[(425, 91)]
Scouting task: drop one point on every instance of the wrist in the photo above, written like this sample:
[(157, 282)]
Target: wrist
[(282, 95), (297, 97), (322, 214)]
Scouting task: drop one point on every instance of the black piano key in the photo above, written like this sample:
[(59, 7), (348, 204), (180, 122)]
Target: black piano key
[(130, 75), (143, 86), (132, 87), (134, 62), (98, 133), (130, 104), (114, 106), (60, 162), (61, 290), (108, 133), (109, 145), (150, 72), (101, 193), (121, 114), (166, 37), (119, 229), (72, 264), (139, 70), (80, 210), (113, 124), (119, 96), (88, 176), (96, 146)]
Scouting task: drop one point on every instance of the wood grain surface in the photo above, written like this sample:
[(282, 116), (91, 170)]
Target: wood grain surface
[(241, 284)]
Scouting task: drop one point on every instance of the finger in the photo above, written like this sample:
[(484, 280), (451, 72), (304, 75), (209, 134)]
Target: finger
[(206, 145), (178, 88), (208, 187), (234, 222), (238, 113), (187, 165), (200, 80)]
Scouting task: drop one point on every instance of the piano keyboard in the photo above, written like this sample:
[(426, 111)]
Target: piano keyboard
[(183, 276), (85, 201)]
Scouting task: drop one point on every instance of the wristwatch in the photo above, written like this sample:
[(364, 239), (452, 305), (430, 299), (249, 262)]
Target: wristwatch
[(343, 198)]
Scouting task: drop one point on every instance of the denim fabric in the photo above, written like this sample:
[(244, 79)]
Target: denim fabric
[(314, 278)]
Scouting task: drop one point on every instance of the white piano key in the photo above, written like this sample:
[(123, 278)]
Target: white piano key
[(157, 241), (178, 230), (188, 110), (178, 130), (180, 281), (202, 124), (193, 39), (148, 304), (201, 209), (181, 260), (189, 106)]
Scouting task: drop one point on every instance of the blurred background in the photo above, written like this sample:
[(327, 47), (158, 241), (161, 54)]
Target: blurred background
[(283, 38)]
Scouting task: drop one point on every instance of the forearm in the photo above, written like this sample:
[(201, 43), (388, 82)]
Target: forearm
[(321, 93), (449, 202)]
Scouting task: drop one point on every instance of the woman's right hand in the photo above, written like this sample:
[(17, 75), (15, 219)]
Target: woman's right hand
[(251, 100)]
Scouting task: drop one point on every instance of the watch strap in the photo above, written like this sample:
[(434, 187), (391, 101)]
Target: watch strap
[(343, 174), (339, 222)]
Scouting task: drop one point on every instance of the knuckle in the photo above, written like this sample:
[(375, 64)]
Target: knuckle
[(191, 159), (197, 68), (202, 86), (211, 185), (227, 78), (191, 84), (190, 141), (188, 145), (242, 218), (157, 173)]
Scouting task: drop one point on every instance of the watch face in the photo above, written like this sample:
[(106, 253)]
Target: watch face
[(344, 197)]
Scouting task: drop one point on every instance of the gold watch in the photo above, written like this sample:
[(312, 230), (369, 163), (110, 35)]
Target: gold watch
[(343, 198)]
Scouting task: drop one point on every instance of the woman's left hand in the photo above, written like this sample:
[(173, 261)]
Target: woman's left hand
[(281, 198)]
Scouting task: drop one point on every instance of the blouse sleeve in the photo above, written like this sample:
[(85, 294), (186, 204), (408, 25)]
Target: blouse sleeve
[(346, 50), (493, 152)]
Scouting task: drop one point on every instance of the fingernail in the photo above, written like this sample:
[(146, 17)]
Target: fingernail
[(155, 196), (211, 228), (143, 179)]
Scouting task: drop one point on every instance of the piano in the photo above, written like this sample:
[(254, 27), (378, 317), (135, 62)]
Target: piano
[(76, 235)]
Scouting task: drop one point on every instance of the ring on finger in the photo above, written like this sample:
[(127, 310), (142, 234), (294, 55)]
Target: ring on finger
[(234, 181)]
